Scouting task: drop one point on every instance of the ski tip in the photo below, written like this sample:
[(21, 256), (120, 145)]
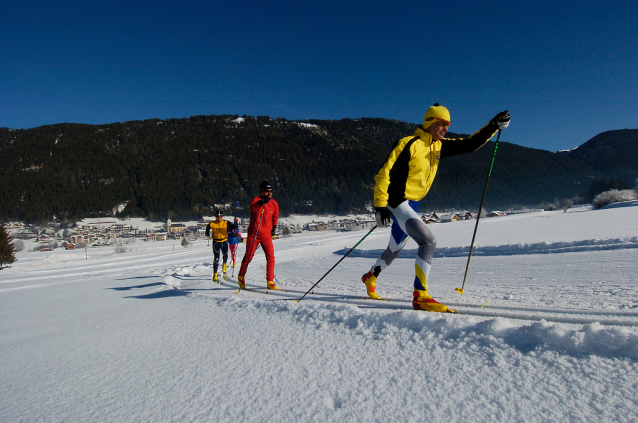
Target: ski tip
[(484, 303), (636, 325)]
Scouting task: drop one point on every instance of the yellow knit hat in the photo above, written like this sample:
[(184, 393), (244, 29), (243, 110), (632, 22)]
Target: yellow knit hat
[(435, 113)]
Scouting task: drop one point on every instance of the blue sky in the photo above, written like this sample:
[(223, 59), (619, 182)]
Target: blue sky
[(566, 70)]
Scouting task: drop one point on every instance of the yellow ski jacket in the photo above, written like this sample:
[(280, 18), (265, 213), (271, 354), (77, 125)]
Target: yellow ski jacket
[(409, 170), (219, 230)]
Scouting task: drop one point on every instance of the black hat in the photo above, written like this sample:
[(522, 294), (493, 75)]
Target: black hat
[(219, 212), (264, 186)]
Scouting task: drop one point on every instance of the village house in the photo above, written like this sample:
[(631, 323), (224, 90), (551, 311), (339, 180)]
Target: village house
[(450, 217), (80, 239), (120, 228), (430, 218), (495, 214), (177, 228), (315, 226), (159, 236)]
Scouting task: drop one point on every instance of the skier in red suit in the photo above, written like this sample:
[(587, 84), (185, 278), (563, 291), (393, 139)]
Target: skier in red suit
[(264, 214)]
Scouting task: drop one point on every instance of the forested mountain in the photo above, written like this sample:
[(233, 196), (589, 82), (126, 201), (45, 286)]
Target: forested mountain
[(185, 167), (613, 152)]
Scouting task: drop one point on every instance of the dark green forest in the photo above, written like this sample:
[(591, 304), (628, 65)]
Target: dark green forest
[(186, 167)]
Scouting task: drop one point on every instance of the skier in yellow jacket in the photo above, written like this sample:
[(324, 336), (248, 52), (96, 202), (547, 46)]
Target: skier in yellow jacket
[(403, 180), (219, 229)]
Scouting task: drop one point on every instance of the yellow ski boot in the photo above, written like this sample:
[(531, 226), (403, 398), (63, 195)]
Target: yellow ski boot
[(224, 268), (242, 282), (421, 300), (271, 285), (215, 278), (371, 285)]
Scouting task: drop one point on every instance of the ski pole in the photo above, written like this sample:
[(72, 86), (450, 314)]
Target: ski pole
[(337, 263), (478, 217)]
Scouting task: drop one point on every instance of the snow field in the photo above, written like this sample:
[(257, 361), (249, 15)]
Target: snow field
[(146, 336)]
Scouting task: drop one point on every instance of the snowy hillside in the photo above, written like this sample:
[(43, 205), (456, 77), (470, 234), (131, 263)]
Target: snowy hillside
[(145, 336)]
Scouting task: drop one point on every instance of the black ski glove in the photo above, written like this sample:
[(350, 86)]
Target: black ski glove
[(264, 200), (382, 216), (502, 120), (273, 231)]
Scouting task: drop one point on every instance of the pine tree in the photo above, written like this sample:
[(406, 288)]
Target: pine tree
[(7, 249)]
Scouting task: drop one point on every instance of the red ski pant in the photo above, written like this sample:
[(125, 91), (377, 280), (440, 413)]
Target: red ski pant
[(251, 247)]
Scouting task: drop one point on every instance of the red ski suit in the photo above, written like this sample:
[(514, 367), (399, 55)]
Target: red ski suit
[(263, 219)]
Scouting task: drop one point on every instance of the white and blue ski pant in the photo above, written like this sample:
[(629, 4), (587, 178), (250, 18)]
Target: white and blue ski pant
[(219, 248), (406, 223)]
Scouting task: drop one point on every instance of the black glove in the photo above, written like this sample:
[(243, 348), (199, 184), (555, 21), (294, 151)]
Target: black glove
[(502, 120), (382, 216), (264, 200), (273, 232)]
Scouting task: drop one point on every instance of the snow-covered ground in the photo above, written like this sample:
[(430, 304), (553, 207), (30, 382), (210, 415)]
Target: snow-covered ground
[(144, 335)]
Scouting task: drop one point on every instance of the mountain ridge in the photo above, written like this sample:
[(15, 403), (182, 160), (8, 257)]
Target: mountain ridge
[(187, 167)]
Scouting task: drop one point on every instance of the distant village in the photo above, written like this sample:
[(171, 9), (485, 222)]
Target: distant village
[(114, 233), (105, 233)]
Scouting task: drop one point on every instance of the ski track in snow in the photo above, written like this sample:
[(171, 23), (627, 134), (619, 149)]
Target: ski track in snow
[(515, 249)]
